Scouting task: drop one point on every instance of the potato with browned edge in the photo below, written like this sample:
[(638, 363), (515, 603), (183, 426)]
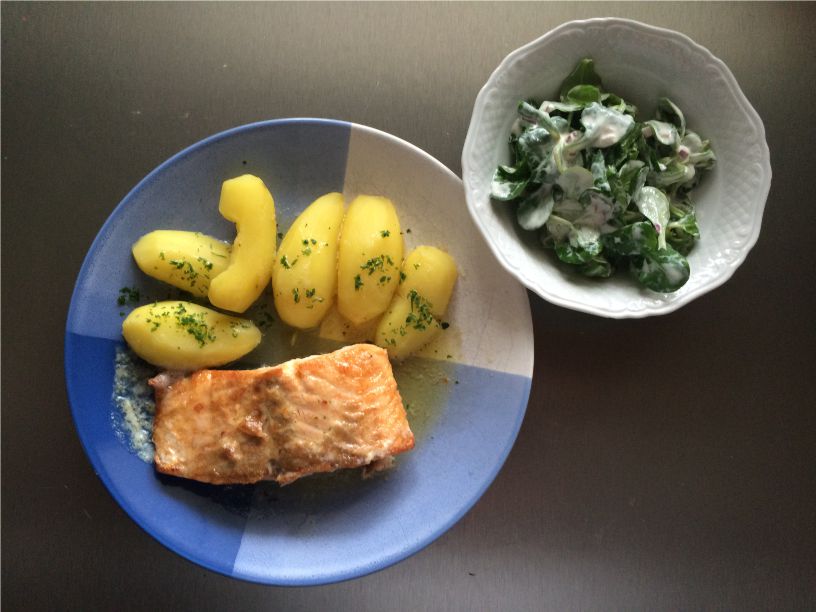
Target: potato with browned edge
[(246, 201)]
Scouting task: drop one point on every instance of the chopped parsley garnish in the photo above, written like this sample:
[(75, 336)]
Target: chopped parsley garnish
[(286, 263), (296, 295), (265, 319), (377, 263), (420, 317), (188, 272), (208, 265), (310, 293), (402, 276), (385, 233), (236, 326), (357, 282), (128, 295), (193, 323)]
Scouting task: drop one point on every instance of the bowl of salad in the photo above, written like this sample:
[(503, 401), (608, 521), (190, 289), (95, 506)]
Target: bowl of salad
[(616, 168)]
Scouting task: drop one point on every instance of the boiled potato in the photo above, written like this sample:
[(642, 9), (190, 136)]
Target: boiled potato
[(187, 260), (369, 258), (181, 335), (412, 320), (247, 202), (430, 272), (407, 326), (304, 277)]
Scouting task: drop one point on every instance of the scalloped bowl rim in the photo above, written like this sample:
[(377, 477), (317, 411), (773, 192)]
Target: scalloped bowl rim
[(564, 301)]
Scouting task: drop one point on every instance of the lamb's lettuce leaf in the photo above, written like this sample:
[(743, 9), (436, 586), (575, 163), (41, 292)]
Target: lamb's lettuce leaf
[(602, 189), (583, 74)]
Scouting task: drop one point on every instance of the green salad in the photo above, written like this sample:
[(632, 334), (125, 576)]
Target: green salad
[(604, 190)]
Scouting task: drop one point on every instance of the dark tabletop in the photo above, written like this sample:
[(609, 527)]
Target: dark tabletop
[(696, 492)]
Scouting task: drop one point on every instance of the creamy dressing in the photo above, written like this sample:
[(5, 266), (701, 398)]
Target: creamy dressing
[(605, 126), (674, 274)]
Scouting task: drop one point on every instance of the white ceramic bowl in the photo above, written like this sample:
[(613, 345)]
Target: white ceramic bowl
[(640, 63)]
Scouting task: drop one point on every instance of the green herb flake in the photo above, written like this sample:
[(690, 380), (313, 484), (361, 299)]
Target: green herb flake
[(286, 263), (128, 295), (357, 282), (208, 265), (385, 233), (264, 319), (420, 317), (188, 272), (296, 295), (377, 263), (193, 323)]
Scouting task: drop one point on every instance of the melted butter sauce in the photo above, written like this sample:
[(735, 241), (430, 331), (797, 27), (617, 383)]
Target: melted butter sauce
[(133, 397)]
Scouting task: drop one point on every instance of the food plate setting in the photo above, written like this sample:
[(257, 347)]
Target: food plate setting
[(465, 394)]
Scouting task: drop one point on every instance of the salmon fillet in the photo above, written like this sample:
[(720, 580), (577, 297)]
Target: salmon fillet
[(318, 414)]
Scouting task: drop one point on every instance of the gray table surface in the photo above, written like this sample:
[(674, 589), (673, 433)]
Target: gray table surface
[(612, 498)]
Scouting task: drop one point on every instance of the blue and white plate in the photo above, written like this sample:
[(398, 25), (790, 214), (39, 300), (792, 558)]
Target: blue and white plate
[(467, 393)]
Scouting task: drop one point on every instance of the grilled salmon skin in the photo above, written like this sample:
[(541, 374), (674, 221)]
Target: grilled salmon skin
[(318, 414)]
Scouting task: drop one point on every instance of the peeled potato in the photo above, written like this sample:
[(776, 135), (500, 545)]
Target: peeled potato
[(403, 328), (187, 260), (247, 202), (181, 335), (369, 258), (431, 272), (304, 277), (412, 319)]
